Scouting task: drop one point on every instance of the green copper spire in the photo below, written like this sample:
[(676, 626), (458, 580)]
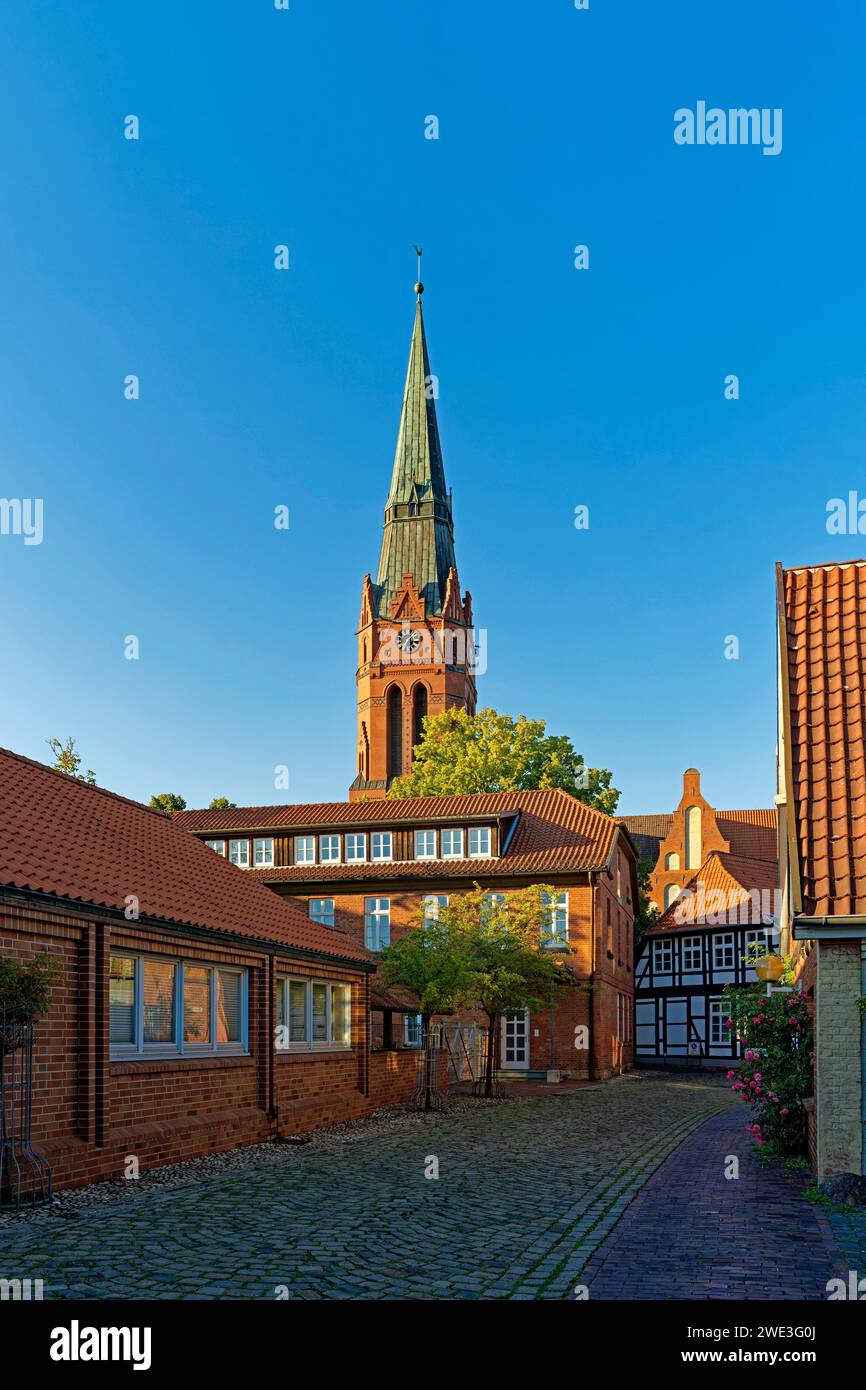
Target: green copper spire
[(419, 533)]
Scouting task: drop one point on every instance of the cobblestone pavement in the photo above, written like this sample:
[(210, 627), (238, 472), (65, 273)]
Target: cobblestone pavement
[(693, 1233), (526, 1191), (849, 1227)]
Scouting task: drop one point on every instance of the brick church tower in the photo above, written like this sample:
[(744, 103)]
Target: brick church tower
[(416, 652)]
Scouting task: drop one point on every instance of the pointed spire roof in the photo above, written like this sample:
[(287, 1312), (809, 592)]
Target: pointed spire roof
[(419, 533)]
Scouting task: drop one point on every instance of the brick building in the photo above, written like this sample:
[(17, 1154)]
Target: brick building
[(368, 870), (416, 642), (177, 974), (821, 615), (716, 877)]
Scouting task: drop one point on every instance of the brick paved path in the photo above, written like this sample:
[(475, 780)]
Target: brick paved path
[(692, 1233), (526, 1190)]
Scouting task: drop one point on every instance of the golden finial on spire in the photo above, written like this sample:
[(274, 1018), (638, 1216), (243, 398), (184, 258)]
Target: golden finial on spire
[(419, 288)]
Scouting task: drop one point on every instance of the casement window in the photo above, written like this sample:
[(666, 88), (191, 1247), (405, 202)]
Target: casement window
[(322, 910), (452, 844), (263, 853), (425, 844), (758, 943), (162, 1008), (377, 923), (556, 928), (356, 849), (662, 957), (692, 954), (239, 853), (723, 951), (412, 1030), (218, 846), (718, 1018), (305, 849), (381, 842), (431, 905), (479, 842), (329, 849), (313, 1015)]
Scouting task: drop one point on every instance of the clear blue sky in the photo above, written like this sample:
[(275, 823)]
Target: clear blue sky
[(558, 387)]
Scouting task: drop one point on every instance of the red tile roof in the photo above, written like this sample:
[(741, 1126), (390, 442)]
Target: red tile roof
[(724, 884), (83, 844), (822, 628), (555, 832), (750, 834)]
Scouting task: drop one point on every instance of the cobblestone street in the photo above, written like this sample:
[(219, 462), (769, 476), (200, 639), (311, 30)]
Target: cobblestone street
[(527, 1191)]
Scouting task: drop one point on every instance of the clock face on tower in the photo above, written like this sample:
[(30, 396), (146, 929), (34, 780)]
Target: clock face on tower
[(409, 640)]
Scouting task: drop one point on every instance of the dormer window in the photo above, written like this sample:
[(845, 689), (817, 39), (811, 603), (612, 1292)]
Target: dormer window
[(329, 849), (239, 853), (479, 842), (425, 844), (452, 844), (263, 853), (218, 846), (356, 849), (381, 843), (305, 849)]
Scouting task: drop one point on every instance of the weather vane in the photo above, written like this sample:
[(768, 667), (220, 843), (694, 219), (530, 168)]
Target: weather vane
[(419, 288)]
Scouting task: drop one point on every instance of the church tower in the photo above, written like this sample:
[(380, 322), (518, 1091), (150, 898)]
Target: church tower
[(416, 651)]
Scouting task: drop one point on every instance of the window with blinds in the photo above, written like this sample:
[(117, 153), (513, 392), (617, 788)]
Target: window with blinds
[(161, 1008)]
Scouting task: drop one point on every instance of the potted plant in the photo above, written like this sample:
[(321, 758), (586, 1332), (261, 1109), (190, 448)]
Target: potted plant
[(24, 994)]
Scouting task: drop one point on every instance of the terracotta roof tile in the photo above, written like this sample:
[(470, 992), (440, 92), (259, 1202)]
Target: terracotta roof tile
[(89, 846), (554, 832), (747, 887), (824, 635), (750, 833)]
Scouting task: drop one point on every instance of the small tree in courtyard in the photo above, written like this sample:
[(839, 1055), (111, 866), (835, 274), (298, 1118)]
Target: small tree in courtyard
[(505, 944)]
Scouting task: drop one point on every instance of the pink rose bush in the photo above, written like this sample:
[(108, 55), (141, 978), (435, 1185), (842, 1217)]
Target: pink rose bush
[(774, 1074)]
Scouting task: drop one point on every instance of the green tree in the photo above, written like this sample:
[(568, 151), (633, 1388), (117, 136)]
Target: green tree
[(167, 801), (461, 753), (67, 760), (222, 803), (427, 961), (506, 958), (647, 912)]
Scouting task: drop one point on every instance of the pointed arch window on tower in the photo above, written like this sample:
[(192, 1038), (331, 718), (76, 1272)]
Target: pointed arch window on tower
[(395, 732), (419, 711), (693, 837)]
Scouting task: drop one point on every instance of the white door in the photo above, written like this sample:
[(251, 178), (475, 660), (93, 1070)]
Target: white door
[(515, 1042)]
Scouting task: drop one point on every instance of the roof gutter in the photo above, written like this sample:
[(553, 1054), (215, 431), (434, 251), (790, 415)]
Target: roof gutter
[(829, 928)]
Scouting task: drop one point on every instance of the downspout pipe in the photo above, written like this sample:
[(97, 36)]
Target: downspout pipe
[(590, 1070)]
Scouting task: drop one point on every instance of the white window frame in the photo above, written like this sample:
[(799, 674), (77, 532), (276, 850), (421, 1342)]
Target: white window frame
[(303, 844), (326, 844), (479, 832), (377, 851), (380, 914), (451, 835), (723, 943), (758, 936), (309, 1044), (558, 905), (139, 1050), (265, 845), (321, 920), (431, 903), (356, 840), (691, 944), (218, 847), (243, 848), (717, 1011), (422, 837), (663, 950)]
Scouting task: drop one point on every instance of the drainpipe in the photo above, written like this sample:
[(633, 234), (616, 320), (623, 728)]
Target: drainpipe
[(863, 1061)]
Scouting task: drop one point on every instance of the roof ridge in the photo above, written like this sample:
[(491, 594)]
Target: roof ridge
[(70, 778)]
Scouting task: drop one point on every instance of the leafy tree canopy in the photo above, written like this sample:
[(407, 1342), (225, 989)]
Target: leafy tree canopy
[(67, 760), (222, 803), (167, 801), (461, 753)]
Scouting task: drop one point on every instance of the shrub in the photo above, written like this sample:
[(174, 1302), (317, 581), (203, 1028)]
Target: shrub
[(774, 1075)]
